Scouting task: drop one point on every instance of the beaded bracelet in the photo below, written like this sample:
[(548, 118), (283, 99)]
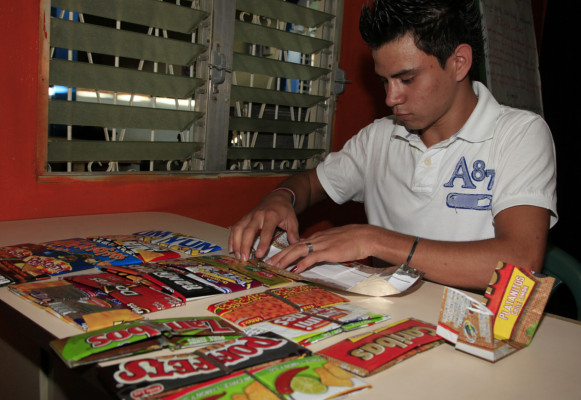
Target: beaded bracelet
[(289, 190), (412, 250)]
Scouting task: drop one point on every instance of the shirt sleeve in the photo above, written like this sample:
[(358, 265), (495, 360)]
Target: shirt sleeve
[(343, 174), (525, 165)]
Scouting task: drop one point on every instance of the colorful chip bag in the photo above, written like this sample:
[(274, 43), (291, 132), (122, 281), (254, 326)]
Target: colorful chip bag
[(152, 376), (110, 343), (195, 331), (94, 253), (83, 307), (308, 296), (248, 351), (308, 378), (131, 244), (302, 328), (370, 353), (236, 386), (348, 315), (251, 309), (180, 242)]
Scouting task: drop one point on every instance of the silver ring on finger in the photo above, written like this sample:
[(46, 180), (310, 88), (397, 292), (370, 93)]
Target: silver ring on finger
[(310, 247)]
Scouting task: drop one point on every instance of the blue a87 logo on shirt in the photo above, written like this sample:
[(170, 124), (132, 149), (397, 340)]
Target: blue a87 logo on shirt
[(477, 178)]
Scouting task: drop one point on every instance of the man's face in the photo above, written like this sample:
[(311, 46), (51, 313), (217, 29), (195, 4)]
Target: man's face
[(419, 92)]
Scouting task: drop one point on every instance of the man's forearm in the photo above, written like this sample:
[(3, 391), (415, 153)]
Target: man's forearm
[(521, 236), (467, 265)]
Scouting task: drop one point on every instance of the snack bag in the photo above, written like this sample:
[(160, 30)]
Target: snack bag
[(308, 378), (252, 270), (152, 376), (302, 328), (35, 258), (236, 386), (348, 315), (131, 244), (94, 253), (196, 331), (249, 351), (177, 282), (177, 241), (109, 343), (251, 309), (221, 277), (17, 271), (370, 353), (308, 296), (83, 307)]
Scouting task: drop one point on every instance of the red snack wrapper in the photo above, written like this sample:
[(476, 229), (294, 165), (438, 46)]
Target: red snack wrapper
[(308, 296), (252, 308), (370, 353)]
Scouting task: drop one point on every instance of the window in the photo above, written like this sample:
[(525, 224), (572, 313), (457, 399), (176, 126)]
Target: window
[(151, 86)]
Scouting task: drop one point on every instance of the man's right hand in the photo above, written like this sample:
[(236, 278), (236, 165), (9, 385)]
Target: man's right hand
[(275, 210)]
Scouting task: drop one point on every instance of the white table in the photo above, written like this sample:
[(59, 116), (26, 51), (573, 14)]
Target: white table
[(549, 368)]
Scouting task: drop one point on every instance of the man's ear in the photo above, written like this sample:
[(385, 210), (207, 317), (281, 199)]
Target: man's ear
[(462, 60)]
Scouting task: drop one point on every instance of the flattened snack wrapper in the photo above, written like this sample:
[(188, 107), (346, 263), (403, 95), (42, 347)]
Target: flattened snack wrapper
[(94, 253), (142, 299), (251, 309), (210, 272), (138, 298), (17, 271), (248, 351), (81, 307), (299, 327), (309, 378), (131, 244), (348, 315), (141, 337), (252, 270), (180, 242), (236, 386), (154, 376), (106, 282), (197, 331), (109, 343), (504, 322), (308, 296), (177, 282), (36, 258), (378, 350)]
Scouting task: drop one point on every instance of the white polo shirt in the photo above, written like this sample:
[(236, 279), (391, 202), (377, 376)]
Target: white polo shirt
[(502, 157)]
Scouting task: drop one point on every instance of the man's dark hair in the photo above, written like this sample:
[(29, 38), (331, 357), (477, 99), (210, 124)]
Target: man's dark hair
[(437, 26)]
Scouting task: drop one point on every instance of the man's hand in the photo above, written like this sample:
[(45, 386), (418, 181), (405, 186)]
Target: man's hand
[(341, 244), (275, 210)]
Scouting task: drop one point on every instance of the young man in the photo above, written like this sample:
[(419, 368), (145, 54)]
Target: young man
[(452, 181)]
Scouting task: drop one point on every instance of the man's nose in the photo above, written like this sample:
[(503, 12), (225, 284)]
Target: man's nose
[(393, 95)]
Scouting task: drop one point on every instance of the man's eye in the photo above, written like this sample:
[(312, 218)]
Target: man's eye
[(407, 80)]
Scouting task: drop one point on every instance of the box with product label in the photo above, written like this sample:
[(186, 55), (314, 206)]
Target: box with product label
[(504, 322)]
